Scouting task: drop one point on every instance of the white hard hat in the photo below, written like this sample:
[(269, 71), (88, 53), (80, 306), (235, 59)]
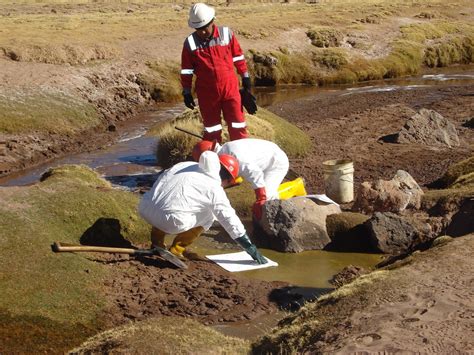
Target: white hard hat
[(200, 15)]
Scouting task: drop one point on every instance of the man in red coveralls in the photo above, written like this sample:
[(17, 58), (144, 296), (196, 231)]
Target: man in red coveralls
[(210, 53)]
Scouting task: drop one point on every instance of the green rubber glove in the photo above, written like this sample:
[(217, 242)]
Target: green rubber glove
[(251, 249)]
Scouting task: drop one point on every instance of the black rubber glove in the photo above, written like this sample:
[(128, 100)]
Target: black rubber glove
[(246, 83), (251, 249), (189, 100)]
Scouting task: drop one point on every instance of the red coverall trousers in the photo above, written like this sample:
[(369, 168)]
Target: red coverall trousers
[(217, 86)]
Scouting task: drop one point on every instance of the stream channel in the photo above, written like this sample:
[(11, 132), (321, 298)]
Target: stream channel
[(130, 164)]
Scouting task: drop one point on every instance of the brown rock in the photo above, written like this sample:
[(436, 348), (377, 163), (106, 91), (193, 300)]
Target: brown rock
[(389, 196)]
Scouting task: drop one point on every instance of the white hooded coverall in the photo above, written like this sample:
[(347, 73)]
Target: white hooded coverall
[(262, 163), (190, 195)]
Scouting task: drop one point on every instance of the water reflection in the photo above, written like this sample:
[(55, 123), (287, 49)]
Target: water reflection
[(445, 76)]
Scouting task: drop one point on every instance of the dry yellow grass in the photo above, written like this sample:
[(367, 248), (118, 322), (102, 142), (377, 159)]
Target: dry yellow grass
[(62, 29), (165, 335)]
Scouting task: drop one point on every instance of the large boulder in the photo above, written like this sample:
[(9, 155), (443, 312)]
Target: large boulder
[(430, 128), (394, 234), (389, 196), (295, 225)]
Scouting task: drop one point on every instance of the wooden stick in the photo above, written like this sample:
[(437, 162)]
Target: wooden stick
[(57, 247)]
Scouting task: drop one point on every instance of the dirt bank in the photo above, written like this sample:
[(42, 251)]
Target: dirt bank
[(421, 304), (111, 91), (351, 125)]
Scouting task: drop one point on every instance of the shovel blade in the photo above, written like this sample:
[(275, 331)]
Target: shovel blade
[(170, 257)]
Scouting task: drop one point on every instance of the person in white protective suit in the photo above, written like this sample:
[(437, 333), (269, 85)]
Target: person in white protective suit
[(187, 198), (262, 163)]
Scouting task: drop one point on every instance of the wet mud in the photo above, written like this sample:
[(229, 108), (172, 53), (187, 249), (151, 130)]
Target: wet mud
[(148, 287), (356, 126)]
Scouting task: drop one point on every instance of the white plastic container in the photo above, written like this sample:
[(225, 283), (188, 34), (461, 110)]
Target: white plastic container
[(339, 180)]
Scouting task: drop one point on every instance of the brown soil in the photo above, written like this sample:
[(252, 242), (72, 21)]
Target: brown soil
[(354, 126), (145, 287)]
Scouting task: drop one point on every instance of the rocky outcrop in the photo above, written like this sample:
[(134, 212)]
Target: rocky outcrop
[(394, 234), (389, 196), (294, 225), (430, 128)]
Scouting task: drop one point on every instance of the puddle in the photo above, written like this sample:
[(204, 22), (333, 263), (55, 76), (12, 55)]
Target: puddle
[(251, 330), (308, 274)]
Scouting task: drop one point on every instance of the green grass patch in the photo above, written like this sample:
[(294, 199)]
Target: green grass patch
[(290, 138), (164, 335), (54, 112), (175, 146), (54, 288), (406, 58), (242, 198)]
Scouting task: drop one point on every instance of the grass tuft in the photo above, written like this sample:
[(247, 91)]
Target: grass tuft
[(332, 58), (279, 67), (324, 37), (175, 146)]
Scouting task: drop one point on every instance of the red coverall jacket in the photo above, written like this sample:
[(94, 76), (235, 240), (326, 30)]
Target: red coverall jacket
[(217, 86)]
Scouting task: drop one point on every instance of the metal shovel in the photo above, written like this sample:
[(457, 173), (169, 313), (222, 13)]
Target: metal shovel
[(57, 247)]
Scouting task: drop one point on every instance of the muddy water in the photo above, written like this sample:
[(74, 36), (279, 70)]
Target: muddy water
[(461, 75), (123, 162), (309, 272)]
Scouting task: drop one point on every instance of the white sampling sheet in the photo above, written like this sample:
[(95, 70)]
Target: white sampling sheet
[(322, 198), (241, 261)]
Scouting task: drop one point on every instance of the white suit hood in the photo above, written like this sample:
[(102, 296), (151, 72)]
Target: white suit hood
[(210, 165)]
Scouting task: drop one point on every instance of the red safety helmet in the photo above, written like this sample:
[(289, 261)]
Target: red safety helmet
[(201, 147), (230, 164)]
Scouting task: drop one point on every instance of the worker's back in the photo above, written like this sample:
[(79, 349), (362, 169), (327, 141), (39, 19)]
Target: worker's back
[(190, 195), (253, 151), (259, 162)]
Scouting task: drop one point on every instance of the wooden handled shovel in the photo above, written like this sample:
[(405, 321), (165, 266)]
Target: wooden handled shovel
[(163, 253)]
